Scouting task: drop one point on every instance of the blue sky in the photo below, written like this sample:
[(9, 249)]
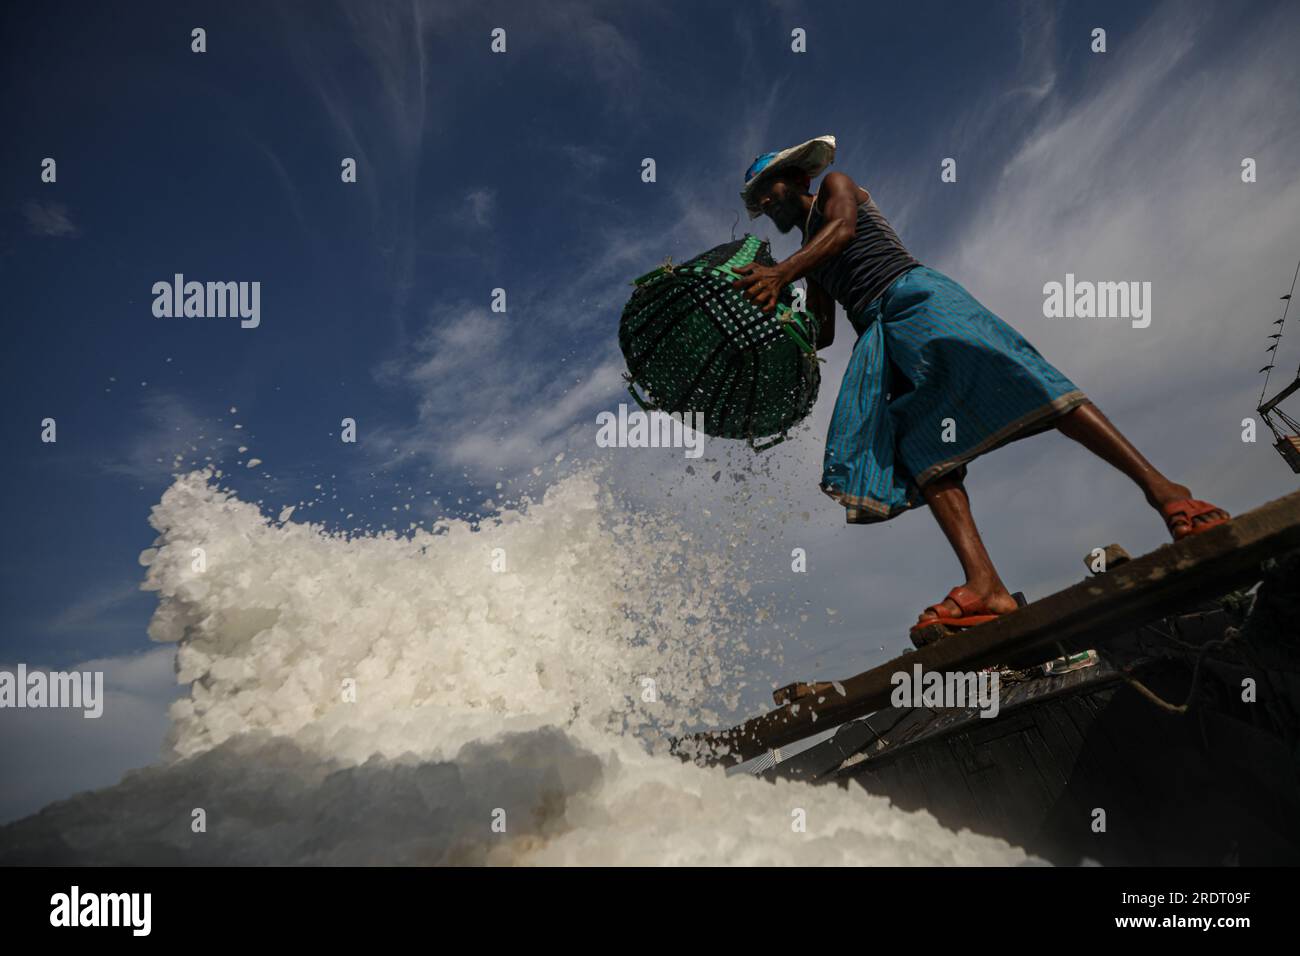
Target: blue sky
[(522, 171)]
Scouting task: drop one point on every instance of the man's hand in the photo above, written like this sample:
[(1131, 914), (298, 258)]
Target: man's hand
[(762, 284)]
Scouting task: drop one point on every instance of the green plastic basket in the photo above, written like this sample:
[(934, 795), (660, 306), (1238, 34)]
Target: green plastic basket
[(695, 344)]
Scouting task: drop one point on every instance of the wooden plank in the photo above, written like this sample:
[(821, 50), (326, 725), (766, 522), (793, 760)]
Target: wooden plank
[(1268, 406), (1135, 593)]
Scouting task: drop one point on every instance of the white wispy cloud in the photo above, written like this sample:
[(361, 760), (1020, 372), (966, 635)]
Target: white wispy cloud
[(1140, 179), (486, 399), (169, 428), (49, 219), (586, 160), (481, 204), (392, 108), (91, 609), (91, 753)]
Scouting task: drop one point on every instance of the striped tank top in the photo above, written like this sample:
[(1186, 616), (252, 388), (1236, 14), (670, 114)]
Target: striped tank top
[(874, 257)]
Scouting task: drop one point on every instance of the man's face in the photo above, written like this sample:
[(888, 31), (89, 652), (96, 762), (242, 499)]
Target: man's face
[(779, 200)]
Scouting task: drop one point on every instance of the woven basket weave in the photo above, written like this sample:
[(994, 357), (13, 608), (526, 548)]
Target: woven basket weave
[(696, 344)]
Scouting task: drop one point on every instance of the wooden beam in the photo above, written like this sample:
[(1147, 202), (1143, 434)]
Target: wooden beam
[(1137, 592), (1268, 406)]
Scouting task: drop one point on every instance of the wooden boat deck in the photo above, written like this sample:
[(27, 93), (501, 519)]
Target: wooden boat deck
[(1086, 615)]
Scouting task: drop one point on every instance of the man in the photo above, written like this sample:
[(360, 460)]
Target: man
[(934, 381)]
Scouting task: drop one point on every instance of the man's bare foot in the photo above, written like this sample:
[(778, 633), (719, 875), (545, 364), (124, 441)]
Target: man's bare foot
[(996, 598), (1170, 491)]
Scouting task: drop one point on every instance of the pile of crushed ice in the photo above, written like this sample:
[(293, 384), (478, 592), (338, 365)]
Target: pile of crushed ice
[(491, 694)]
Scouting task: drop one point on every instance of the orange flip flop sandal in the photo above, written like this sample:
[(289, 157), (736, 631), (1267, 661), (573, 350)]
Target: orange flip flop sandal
[(973, 611), (1190, 509)]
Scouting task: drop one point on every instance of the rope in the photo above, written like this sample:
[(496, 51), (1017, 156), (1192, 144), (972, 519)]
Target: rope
[(1280, 329), (1159, 701)]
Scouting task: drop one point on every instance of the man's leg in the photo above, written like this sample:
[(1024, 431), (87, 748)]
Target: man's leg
[(1090, 428), (951, 508)]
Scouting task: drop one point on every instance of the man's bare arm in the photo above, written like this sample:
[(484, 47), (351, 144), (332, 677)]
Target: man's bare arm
[(840, 198), (822, 308)]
